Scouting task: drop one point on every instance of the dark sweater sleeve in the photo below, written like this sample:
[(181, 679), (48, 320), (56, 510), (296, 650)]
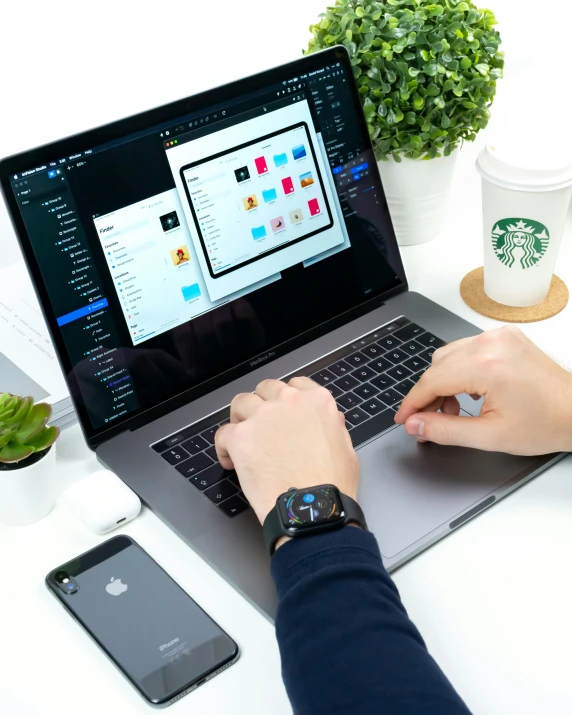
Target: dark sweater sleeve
[(346, 642)]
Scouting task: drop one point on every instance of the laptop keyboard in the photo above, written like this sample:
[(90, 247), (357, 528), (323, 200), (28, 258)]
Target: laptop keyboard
[(368, 379)]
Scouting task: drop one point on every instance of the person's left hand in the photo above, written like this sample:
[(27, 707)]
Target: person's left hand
[(287, 435)]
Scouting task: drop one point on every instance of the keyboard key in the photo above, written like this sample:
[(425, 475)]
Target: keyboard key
[(430, 340), (389, 343), (211, 451), (356, 359), (390, 397), (356, 416), (383, 381), (234, 478), (209, 434), (366, 390), (363, 374), (373, 406), (412, 347), (196, 444), (408, 332), (194, 465), (334, 390), (426, 354), (340, 368), (221, 491), (324, 377), (404, 387), (399, 372), (373, 351), (209, 476), (416, 363), (380, 364), (348, 400), (346, 383), (175, 455), (233, 506), (372, 427), (396, 356)]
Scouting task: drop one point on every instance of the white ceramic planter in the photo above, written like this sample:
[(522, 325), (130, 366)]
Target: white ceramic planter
[(26, 494), (417, 193)]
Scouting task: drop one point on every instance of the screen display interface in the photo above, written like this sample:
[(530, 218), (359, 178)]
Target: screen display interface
[(175, 254)]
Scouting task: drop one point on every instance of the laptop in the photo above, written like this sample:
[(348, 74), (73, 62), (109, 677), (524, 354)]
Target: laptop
[(186, 253)]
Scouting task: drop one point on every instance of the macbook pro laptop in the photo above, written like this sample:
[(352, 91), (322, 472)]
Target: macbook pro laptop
[(184, 254)]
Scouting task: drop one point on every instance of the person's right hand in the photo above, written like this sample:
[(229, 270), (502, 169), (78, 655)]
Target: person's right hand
[(527, 406)]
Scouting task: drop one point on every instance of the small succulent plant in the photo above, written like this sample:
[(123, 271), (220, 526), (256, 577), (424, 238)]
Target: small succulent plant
[(23, 429)]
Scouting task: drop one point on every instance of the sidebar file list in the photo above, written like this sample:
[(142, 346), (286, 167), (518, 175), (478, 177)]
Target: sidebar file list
[(74, 286)]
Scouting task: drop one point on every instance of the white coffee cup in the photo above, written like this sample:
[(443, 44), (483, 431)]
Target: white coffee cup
[(526, 193)]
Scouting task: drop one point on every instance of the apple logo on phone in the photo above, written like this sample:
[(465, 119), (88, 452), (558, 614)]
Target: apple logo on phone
[(115, 587)]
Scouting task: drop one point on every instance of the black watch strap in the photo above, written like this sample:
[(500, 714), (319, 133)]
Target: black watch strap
[(273, 529)]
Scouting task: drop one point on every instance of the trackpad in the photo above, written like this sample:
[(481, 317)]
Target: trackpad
[(409, 489)]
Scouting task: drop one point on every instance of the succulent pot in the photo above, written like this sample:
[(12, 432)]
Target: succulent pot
[(417, 193), (26, 488)]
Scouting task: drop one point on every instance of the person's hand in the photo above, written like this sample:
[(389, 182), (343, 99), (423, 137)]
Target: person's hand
[(527, 406), (286, 436)]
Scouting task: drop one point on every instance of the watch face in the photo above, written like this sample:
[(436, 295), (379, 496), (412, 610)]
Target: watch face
[(305, 508)]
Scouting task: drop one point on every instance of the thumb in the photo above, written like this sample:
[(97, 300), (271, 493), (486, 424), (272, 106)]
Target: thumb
[(475, 432)]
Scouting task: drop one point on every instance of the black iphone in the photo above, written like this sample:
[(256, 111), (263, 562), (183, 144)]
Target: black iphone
[(161, 640)]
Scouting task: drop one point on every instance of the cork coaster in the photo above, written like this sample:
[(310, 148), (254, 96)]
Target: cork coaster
[(473, 293)]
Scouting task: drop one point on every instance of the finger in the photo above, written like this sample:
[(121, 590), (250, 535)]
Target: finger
[(475, 432), (303, 383), (439, 381), (269, 389), (222, 436), (243, 406)]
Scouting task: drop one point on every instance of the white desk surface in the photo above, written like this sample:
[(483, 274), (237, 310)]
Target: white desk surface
[(493, 600)]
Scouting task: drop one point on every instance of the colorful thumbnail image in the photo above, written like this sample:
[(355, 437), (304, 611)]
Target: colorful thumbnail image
[(180, 255), (299, 152), (242, 174), (258, 232), (288, 185), (277, 224), (191, 292), (261, 166), (314, 207), (306, 179), (296, 216), (280, 160), (169, 221), (250, 202), (269, 195)]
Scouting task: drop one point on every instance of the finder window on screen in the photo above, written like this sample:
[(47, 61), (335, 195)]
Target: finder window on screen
[(257, 198)]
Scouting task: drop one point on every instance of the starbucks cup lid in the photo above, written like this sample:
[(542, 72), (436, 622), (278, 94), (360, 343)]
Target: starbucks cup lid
[(524, 164)]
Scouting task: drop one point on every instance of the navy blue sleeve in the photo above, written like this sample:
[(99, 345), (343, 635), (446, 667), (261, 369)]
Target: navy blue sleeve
[(346, 642)]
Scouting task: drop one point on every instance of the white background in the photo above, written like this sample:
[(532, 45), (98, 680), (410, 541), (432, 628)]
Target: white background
[(493, 601)]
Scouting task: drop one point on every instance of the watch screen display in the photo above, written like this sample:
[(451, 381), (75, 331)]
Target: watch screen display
[(310, 507)]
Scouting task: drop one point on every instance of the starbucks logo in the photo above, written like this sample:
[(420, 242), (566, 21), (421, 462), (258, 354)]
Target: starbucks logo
[(519, 242)]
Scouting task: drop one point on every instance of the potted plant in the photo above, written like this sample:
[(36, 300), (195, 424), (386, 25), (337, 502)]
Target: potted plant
[(426, 73), (27, 459)]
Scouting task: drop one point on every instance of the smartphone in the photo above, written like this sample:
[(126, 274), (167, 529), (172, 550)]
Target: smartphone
[(161, 640)]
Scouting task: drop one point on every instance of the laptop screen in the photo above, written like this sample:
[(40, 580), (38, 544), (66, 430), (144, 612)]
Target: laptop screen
[(173, 255)]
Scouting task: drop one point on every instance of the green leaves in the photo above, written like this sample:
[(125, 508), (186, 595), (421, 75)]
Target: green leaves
[(426, 71), (23, 428)]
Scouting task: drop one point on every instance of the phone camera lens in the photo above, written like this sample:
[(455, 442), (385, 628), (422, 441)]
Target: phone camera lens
[(70, 586)]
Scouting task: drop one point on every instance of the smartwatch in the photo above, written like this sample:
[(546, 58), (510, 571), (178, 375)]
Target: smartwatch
[(303, 512)]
